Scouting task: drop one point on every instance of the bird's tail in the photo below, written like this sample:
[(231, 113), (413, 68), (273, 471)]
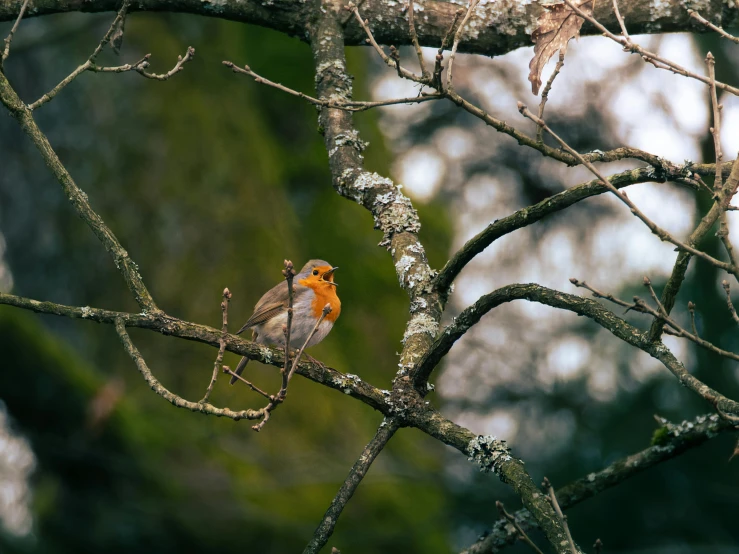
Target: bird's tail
[(239, 368)]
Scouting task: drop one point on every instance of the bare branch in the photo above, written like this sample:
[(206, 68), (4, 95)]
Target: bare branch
[(730, 304), (547, 89), (553, 499), (164, 324), (222, 345), (584, 307), (532, 214), (457, 38), (650, 57), (349, 105), (78, 199), (674, 328), (395, 64), (436, 78), (139, 67), (227, 371), (176, 400), (9, 38), (279, 398), (326, 528), (414, 40), (621, 22), (661, 233), (522, 536), (671, 441), (120, 16), (695, 15), (500, 32), (716, 129)]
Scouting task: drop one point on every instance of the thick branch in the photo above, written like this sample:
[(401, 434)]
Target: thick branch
[(393, 211), (502, 27), (670, 441)]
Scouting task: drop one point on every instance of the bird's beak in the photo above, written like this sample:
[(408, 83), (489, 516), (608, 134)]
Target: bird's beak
[(329, 273)]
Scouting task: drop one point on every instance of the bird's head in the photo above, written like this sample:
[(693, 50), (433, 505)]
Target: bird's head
[(317, 273)]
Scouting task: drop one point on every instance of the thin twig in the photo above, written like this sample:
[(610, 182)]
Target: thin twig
[(674, 329), (732, 310), (349, 106), (621, 21), (326, 528), (9, 38), (545, 92), (716, 128), (695, 15), (679, 439), (646, 55), (120, 16), (227, 370), (691, 311), (371, 39), (414, 40), (178, 401), (326, 310), (436, 79), (457, 38), (660, 307), (279, 398), (553, 499), (725, 238), (522, 536), (139, 67), (289, 274), (661, 233), (222, 345)]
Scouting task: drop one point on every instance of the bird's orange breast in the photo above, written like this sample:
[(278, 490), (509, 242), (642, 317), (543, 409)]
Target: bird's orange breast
[(323, 294)]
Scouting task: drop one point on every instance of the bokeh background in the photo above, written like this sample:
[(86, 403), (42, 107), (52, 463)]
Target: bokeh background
[(210, 180)]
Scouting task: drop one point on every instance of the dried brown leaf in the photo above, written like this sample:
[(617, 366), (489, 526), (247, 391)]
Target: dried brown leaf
[(557, 24)]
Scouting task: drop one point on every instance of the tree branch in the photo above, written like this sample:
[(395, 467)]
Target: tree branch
[(393, 211), (127, 267), (176, 400), (670, 441), (500, 30), (553, 204), (170, 326), (581, 306), (326, 528)]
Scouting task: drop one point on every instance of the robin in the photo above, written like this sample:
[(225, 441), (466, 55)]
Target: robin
[(313, 288)]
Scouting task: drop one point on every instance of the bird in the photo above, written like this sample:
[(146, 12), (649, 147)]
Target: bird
[(313, 288)]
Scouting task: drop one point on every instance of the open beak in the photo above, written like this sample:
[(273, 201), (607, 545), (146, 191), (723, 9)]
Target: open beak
[(328, 274)]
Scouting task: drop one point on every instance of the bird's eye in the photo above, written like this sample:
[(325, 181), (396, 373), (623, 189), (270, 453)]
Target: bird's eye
[(315, 272)]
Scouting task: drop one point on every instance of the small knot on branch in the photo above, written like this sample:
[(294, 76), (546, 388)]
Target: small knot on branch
[(647, 282), (726, 286), (327, 309)]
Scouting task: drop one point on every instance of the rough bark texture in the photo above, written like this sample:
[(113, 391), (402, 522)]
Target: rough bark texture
[(497, 27)]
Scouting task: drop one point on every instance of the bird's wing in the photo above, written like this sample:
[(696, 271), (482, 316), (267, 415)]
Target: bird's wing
[(272, 304)]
